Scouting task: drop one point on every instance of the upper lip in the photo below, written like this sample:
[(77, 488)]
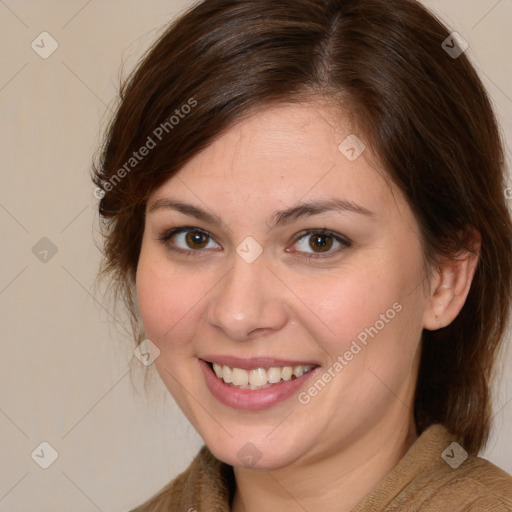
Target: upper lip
[(254, 362)]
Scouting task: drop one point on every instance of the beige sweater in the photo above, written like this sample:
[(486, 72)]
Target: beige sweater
[(421, 482)]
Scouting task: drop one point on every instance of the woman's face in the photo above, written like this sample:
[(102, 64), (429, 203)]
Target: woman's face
[(294, 252)]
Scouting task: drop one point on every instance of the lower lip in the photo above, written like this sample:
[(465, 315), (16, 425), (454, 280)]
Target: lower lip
[(248, 399)]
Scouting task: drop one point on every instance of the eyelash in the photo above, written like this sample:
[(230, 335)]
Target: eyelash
[(167, 235)]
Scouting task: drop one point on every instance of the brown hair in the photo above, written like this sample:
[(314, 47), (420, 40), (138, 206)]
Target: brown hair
[(423, 111)]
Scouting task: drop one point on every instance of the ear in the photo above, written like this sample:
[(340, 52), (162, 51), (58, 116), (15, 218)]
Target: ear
[(450, 285)]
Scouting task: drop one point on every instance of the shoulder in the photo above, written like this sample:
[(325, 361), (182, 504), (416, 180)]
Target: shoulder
[(476, 485), (438, 475), (206, 481), (456, 481), (449, 479)]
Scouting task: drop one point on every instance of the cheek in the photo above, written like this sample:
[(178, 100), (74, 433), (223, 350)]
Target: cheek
[(346, 302), (365, 302), (168, 301)]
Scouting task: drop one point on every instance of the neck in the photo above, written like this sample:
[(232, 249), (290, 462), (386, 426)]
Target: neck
[(337, 482)]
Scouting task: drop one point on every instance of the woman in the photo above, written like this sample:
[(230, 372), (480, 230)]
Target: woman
[(305, 214)]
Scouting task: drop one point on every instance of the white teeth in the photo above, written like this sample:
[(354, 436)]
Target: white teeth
[(218, 370), (274, 375), (298, 371), (240, 377), (226, 374), (259, 378), (286, 373)]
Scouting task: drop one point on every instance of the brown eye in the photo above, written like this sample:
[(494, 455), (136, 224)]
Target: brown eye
[(320, 242), (188, 240), (196, 239)]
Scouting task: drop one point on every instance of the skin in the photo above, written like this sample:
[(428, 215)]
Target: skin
[(329, 453)]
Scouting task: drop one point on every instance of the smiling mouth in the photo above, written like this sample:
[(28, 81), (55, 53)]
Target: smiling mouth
[(258, 378)]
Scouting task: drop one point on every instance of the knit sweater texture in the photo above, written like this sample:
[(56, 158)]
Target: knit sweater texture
[(431, 477)]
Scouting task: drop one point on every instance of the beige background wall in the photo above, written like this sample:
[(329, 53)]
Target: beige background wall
[(63, 371)]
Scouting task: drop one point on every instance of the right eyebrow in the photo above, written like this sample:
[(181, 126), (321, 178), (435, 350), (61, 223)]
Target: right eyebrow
[(186, 209)]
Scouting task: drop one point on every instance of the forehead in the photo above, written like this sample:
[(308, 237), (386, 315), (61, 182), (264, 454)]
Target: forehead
[(279, 156), (278, 137)]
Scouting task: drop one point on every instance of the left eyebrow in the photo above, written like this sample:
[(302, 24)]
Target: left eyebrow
[(302, 210)]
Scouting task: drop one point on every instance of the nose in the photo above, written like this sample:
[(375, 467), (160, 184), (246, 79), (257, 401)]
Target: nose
[(248, 302)]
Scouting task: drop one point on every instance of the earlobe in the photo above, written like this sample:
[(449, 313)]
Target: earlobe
[(451, 287)]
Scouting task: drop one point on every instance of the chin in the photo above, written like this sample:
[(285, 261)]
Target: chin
[(253, 455)]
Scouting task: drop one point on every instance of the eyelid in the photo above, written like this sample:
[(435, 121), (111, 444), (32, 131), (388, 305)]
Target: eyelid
[(167, 233)]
